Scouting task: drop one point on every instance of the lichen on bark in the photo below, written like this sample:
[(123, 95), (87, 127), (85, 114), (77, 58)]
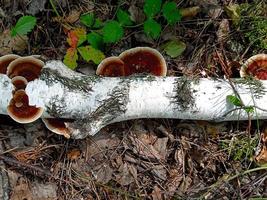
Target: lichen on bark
[(183, 93)]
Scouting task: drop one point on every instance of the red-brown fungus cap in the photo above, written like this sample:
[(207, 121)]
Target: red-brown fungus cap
[(19, 109), (29, 67), (19, 82), (111, 66), (255, 66), (5, 60), (57, 126), (143, 60)]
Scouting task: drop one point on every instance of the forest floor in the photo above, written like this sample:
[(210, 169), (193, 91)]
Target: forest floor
[(145, 158)]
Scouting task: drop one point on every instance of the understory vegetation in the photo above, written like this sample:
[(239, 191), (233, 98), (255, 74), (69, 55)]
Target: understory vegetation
[(145, 158)]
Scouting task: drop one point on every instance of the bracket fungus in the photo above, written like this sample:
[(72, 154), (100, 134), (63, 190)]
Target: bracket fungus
[(21, 70), (19, 82), (255, 66), (20, 110), (57, 126), (143, 60), (5, 60), (29, 67), (111, 67), (134, 61)]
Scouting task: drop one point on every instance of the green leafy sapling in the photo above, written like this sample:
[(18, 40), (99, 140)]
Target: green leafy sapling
[(24, 25)]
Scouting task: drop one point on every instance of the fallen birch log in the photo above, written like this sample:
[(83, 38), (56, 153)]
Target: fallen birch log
[(94, 102)]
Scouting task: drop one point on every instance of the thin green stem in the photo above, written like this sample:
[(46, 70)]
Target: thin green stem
[(54, 7)]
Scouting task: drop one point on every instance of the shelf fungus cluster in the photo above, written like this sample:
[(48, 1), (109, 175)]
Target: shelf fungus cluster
[(132, 85)]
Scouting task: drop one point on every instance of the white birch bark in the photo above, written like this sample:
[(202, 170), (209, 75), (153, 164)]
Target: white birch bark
[(96, 101)]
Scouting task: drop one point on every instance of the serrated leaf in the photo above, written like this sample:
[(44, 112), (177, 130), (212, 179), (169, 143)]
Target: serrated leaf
[(152, 28), (24, 25), (76, 37), (89, 53), (112, 32), (124, 18), (71, 57), (152, 7), (174, 48), (95, 39), (88, 19), (234, 100), (171, 13)]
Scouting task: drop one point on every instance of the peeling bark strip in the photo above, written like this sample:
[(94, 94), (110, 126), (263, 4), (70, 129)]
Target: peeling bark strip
[(93, 101)]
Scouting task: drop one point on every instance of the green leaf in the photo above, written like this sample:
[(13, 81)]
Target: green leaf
[(71, 57), (124, 18), (174, 48), (89, 53), (233, 12), (95, 39), (234, 100), (152, 7), (152, 28), (249, 109), (24, 25), (88, 19), (112, 32), (171, 13), (98, 23), (76, 37)]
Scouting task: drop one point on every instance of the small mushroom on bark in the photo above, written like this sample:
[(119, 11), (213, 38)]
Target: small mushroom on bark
[(5, 60), (143, 60), (111, 66), (19, 82), (57, 126), (20, 110), (255, 66), (29, 67)]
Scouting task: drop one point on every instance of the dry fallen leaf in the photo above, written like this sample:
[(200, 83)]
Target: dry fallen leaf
[(10, 44), (156, 193), (21, 191), (73, 154), (104, 174), (127, 174), (223, 31), (73, 16), (261, 158)]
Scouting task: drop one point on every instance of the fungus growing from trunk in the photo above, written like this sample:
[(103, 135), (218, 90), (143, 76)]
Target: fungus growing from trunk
[(143, 60), (20, 110), (29, 67), (57, 126), (5, 60), (19, 82), (134, 61), (255, 66), (111, 66)]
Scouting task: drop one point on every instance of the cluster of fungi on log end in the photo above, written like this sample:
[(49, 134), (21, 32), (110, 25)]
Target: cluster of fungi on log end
[(134, 61), (21, 70), (255, 66)]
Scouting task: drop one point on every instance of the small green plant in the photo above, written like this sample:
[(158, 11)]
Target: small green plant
[(76, 39), (240, 148), (152, 8), (23, 26), (101, 33), (236, 101)]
